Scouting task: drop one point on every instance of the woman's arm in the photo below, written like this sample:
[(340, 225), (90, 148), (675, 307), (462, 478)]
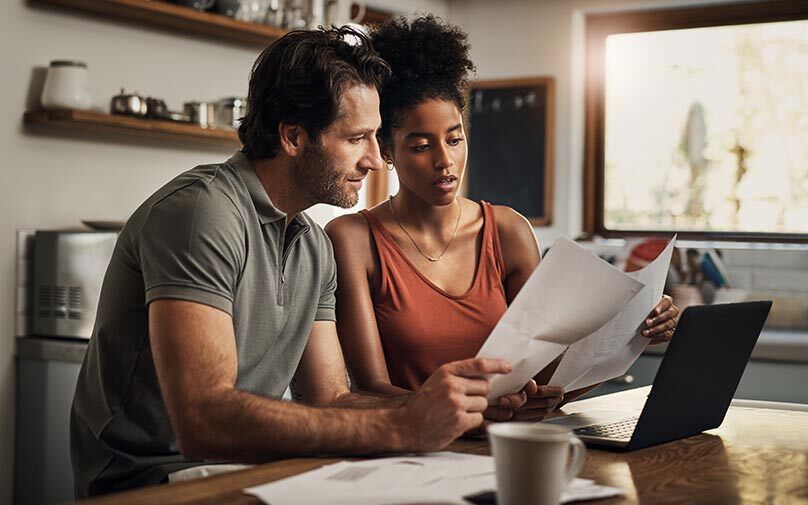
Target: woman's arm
[(520, 252), (520, 249), (357, 271)]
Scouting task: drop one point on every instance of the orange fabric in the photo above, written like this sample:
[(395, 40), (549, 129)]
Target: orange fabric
[(421, 326)]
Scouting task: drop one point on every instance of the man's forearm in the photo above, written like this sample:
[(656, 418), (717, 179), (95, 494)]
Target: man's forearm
[(366, 400), (240, 426)]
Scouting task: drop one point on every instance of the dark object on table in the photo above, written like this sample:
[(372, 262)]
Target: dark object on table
[(483, 498), (672, 411)]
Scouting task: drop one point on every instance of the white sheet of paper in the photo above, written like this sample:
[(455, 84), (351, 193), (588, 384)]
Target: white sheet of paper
[(435, 478), (443, 477), (583, 489), (346, 483), (612, 349), (570, 294)]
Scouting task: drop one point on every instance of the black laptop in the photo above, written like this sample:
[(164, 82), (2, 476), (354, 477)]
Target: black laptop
[(694, 385)]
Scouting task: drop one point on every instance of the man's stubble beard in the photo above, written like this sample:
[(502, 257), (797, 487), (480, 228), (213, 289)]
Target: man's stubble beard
[(321, 181)]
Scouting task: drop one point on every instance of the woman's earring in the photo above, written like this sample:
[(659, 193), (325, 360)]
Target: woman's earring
[(390, 166)]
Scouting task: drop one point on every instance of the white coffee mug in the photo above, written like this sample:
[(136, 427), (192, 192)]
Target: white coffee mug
[(534, 462)]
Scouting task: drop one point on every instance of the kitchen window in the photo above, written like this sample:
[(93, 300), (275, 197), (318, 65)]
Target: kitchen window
[(697, 122)]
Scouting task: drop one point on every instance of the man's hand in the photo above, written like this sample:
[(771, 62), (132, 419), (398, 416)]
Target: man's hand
[(661, 322), (541, 400), (450, 403)]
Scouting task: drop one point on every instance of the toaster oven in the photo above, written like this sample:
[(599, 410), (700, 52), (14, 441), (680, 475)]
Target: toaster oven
[(69, 268)]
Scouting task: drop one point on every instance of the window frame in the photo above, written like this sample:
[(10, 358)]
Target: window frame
[(598, 27)]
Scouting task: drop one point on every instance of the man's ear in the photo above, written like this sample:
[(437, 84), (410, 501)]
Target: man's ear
[(293, 138)]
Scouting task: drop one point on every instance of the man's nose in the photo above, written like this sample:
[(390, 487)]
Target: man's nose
[(373, 157)]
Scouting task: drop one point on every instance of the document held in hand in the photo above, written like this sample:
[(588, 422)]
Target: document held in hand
[(610, 350), (571, 294)]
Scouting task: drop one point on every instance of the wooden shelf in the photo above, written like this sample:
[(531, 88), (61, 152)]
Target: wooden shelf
[(155, 129), (176, 17)]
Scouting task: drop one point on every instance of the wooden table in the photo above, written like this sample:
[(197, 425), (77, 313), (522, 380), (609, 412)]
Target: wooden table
[(756, 456)]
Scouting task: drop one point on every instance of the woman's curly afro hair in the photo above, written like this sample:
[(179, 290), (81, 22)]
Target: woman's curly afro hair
[(429, 60)]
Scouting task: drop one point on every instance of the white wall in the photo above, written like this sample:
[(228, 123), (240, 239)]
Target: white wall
[(54, 181), (526, 38)]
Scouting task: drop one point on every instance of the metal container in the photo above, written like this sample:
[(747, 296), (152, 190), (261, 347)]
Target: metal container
[(229, 112), (128, 104), (69, 268), (156, 108), (200, 113)]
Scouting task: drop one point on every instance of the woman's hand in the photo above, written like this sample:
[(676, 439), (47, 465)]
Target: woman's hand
[(502, 411), (661, 323), (541, 400), (532, 403), (505, 407)]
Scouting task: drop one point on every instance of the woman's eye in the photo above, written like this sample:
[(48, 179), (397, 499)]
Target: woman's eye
[(420, 148), (455, 141)]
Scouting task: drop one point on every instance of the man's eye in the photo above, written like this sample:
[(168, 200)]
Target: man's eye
[(455, 141), (356, 140)]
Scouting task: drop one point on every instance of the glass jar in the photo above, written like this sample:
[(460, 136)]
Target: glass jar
[(66, 86)]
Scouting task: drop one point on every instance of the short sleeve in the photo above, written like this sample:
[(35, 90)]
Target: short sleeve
[(192, 247), (326, 306)]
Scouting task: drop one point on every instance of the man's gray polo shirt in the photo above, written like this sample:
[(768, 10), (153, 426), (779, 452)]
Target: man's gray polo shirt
[(210, 236)]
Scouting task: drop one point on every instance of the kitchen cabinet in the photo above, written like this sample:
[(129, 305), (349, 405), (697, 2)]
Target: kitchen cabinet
[(47, 372)]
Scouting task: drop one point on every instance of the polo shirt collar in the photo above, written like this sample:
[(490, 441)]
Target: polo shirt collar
[(267, 212)]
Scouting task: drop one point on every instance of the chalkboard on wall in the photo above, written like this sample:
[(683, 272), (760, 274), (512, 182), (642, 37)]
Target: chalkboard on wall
[(511, 145)]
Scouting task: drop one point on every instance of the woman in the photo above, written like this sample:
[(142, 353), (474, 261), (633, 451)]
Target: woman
[(425, 276)]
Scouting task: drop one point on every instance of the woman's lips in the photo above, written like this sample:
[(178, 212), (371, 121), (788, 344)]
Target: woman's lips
[(446, 184)]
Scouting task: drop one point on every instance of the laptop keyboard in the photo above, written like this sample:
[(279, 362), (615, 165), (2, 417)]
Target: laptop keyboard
[(619, 429)]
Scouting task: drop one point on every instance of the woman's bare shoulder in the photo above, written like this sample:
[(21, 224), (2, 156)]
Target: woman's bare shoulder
[(511, 224), (348, 229), (353, 242)]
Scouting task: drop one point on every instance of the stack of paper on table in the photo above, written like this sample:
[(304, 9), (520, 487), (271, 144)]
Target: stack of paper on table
[(571, 294), (442, 477)]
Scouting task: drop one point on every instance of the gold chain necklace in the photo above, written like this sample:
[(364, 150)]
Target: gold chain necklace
[(425, 255)]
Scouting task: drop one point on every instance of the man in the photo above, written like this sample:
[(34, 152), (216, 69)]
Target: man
[(220, 293)]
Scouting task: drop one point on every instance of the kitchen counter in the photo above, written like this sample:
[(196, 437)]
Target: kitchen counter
[(51, 348), (47, 371)]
